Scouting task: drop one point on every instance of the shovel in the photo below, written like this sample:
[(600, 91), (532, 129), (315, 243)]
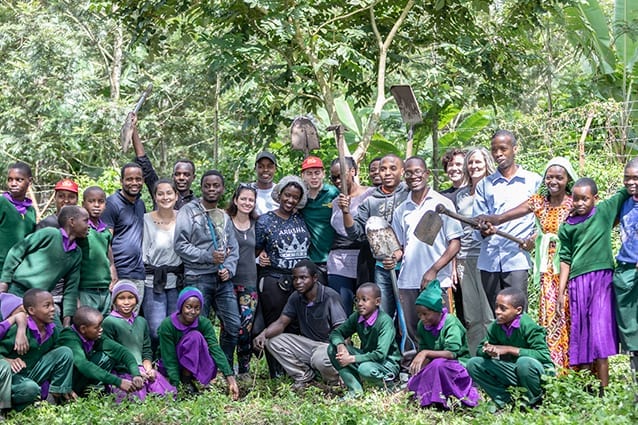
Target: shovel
[(410, 112), (126, 133), (429, 225), (383, 243)]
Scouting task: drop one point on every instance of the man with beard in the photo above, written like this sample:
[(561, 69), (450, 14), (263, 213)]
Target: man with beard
[(504, 263), (422, 263), (124, 215), (205, 241), (183, 171)]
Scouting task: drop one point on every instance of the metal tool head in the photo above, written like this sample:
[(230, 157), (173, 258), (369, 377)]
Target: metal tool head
[(303, 134), (383, 241), (428, 227), (408, 106)]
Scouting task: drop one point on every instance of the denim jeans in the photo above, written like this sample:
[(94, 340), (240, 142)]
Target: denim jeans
[(220, 296), (157, 307), (345, 287), (384, 281)]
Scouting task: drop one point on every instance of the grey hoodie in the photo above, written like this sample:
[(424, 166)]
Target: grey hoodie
[(194, 244), (378, 204)]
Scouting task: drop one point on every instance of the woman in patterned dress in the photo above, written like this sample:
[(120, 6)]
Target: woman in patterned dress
[(551, 206)]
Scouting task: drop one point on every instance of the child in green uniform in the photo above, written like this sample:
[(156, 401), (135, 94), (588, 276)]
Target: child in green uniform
[(189, 348), (95, 356), (438, 370), (124, 326), (42, 362), (17, 215), (97, 268), (12, 313), (514, 352), (377, 361), (40, 260)]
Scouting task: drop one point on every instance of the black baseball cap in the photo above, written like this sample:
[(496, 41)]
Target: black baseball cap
[(266, 154)]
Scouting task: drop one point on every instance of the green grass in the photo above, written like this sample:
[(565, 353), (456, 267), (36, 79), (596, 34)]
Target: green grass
[(267, 401)]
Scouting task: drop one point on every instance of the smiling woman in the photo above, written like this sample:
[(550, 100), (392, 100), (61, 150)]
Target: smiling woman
[(282, 239)]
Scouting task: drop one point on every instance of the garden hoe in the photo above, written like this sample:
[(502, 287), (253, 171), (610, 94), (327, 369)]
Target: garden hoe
[(430, 224), (383, 244), (126, 133), (341, 149), (410, 111)]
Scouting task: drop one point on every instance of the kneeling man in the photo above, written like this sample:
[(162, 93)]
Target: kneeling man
[(318, 310)]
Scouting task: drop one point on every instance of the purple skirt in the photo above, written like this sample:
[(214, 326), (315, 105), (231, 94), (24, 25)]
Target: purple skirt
[(440, 379), (193, 355), (593, 332), (159, 386)]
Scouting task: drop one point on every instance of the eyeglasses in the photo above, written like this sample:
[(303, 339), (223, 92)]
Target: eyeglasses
[(246, 186), (416, 173)]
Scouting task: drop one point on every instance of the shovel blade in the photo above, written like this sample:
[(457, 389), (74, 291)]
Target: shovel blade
[(408, 106), (428, 227), (383, 241)]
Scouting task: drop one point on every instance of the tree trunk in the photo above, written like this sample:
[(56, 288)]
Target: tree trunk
[(116, 65)]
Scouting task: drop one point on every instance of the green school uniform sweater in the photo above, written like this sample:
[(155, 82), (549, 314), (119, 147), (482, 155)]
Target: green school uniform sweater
[(13, 226), (317, 214), (136, 337), (377, 341), (530, 338), (95, 270), (36, 351), (450, 338), (169, 336), (82, 363), (586, 246), (39, 261)]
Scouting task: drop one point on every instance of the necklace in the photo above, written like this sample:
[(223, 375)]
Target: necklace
[(242, 227)]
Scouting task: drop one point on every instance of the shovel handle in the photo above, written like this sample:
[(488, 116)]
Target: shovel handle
[(467, 220)]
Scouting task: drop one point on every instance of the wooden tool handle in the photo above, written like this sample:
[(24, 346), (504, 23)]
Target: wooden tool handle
[(468, 220)]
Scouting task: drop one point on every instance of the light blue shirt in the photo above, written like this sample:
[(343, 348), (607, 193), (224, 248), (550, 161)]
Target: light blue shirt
[(418, 257), (495, 195)]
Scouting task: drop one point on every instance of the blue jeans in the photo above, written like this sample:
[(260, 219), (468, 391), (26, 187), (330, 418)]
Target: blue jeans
[(157, 307), (384, 281), (345, 287), (221, 297)]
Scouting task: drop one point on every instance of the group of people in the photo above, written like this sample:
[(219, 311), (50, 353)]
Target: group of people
[(95, 294)]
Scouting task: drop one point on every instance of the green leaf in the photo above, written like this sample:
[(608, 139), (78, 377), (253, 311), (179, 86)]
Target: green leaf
[(595, 22), (344, 112), (626, 32)]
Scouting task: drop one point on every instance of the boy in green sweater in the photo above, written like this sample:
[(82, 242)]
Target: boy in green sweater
[(95, 356), (377, 361), (97, 270), (17, 215), (42, 362), (514, 352), (42, 258)]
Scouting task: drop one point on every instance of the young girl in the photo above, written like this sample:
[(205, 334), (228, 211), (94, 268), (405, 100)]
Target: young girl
[(438, 369), (586, 270), (242, 214), (17, 215), (131, 330), (189, 348), (163, 266)]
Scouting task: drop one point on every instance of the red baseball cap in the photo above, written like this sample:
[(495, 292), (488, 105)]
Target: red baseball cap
[(68, 185), (311, 162)]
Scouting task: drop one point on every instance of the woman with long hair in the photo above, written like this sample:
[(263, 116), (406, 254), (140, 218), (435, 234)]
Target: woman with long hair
[(477, 312), (242, 213)]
